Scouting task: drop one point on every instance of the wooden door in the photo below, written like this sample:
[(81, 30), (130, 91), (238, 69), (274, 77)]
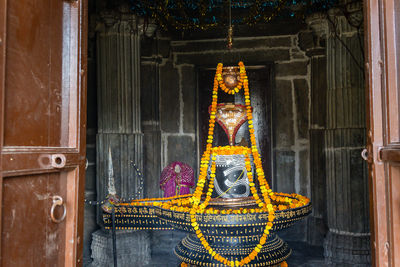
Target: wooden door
[(382, 25), (42, 131)]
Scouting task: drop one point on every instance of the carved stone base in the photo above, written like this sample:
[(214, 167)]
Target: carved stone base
[(133, 249), (274, 251), (345, 248)]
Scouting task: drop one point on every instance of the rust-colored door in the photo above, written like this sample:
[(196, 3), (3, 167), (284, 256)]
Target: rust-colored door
[(42, 131), (382, 25)]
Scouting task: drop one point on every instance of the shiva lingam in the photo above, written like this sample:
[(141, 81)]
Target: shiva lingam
[(232, 216)]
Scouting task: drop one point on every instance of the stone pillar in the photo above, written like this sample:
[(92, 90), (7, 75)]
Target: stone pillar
[(119, 115), (119, 128), (151, 124), (348, 240), (317, 52)]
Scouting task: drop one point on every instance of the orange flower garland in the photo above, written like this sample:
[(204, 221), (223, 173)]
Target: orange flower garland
[(265, 190), (267, 202), (221, 82), (281, 201)]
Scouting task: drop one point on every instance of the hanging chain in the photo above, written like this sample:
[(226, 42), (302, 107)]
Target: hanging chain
[(230, 29)]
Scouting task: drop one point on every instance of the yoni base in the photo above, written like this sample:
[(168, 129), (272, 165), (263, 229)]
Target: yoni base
[(192, 252), (192, 265)]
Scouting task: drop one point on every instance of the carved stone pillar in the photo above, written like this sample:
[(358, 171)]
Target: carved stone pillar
[(348, 238), (150, 98), (317, 225), (151, 129), (119, 128), (119, 115)]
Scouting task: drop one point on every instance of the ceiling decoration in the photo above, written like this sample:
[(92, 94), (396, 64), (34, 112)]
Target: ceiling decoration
[(183, 15)]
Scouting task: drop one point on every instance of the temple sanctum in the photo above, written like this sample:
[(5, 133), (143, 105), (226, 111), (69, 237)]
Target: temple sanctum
[(200, 133)]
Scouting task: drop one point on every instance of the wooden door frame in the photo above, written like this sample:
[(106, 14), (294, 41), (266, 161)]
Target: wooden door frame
[(3, 8), (80, 139), (383, 146), (83, 46)]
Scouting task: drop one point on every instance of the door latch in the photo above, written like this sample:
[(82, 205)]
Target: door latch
[(58, 201)]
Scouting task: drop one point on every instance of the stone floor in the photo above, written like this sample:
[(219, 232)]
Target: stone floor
[(303, 255)]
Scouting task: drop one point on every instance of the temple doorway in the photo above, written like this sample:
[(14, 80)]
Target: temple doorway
[(324, 83), (307, 80)]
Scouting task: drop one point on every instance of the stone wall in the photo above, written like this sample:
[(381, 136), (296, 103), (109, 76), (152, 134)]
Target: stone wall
[(178, 109), (290, 94)]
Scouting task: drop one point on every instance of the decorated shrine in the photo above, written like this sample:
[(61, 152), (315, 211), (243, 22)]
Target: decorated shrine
[(232, 216), (226, 133)]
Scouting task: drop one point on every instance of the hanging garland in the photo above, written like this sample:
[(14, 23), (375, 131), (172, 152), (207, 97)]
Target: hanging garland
[(198, 202), (221, 83), (263, 202)]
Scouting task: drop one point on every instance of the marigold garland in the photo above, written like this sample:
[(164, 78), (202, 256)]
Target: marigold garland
[(280, 201), (264, 203), (267, 202), (236, 89)]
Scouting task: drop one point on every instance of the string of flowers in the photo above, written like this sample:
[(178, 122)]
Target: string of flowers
[(198, 207), (205, 159), (221, 83), (193, 204), (280, 202)]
